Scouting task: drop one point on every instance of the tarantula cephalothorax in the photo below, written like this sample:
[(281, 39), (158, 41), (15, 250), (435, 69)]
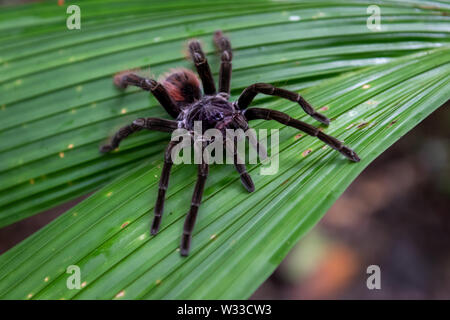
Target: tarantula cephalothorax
[(181, 97)]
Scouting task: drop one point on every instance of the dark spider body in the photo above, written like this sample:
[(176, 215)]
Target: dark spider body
[(213, 112), (181, 96)]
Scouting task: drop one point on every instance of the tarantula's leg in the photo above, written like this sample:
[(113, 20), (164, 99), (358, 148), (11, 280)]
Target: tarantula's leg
[(250, 92), (201, 63), (246, 179), (240, 122), (260, 149), (137, 125), (268, 114), (125, 79), (163, 184), (189, 223), (226, 55)]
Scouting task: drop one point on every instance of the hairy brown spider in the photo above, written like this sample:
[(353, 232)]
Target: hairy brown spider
[(181, 97)]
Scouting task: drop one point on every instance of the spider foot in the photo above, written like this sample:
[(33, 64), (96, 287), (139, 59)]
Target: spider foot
[(155, 226), (247, 182), (185, 245), (321, 118), (350, 154), (106, 148), (119, 79)]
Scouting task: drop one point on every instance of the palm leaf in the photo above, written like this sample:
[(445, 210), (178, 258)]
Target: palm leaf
[(59, 104)]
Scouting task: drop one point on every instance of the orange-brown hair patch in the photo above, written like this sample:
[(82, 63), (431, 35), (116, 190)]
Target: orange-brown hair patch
[(182, 85)]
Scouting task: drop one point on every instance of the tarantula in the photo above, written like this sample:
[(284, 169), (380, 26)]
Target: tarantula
[(180, 95)]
